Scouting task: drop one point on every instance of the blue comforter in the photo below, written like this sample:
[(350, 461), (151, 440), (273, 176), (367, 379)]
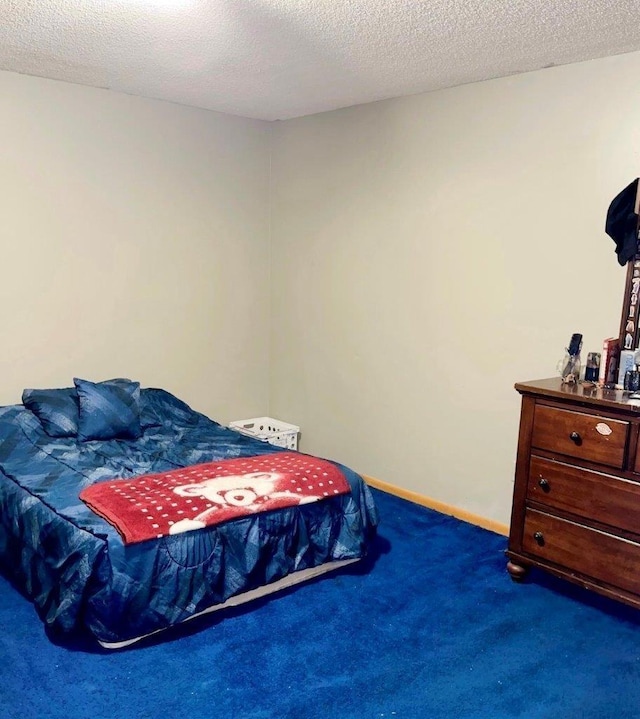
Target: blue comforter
[(74, 565)]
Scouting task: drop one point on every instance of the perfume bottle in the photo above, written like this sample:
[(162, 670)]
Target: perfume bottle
[(569, 366), (592, 368)]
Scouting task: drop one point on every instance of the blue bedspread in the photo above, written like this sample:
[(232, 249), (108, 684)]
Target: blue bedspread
[(74, 565)]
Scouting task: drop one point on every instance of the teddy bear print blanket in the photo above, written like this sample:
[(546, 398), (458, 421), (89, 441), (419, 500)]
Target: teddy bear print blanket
[(189, 498)]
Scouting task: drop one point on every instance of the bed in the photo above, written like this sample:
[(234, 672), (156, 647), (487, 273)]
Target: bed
[(76, 566)]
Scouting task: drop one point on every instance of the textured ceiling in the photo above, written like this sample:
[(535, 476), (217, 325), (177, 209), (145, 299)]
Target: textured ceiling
[(276, 59)]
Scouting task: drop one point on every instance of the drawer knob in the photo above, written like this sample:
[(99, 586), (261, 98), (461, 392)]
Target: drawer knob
[(539, 537), (544, 484), (575, 437)]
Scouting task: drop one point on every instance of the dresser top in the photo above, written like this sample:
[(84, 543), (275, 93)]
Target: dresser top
[(586, 393)]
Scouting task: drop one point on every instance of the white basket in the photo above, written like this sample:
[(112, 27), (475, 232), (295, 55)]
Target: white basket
[(268, 430)]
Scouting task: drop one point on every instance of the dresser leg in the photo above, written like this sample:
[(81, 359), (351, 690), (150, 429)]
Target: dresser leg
[(517, 571)]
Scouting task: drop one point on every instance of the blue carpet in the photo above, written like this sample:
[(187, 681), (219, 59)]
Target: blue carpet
[(431, 627)]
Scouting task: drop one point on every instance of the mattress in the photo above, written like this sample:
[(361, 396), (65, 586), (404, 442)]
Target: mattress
[(82, 577)]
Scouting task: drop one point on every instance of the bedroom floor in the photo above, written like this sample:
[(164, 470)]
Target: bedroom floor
[(430, 627)]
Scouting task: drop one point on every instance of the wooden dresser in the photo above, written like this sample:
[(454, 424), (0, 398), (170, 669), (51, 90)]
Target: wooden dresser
[(576, 501)]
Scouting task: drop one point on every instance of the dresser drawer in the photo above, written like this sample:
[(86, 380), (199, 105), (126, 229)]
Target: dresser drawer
[(600, 497), (592, 553), (577, 434)]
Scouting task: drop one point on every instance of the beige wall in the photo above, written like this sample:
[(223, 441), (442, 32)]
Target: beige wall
[(430, 251), (427, 252), (134, 238)]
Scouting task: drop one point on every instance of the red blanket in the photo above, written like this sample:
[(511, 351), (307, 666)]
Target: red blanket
[(189, 498)]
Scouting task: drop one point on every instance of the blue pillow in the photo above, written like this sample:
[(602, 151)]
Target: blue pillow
[(108, 410), (57, 410)]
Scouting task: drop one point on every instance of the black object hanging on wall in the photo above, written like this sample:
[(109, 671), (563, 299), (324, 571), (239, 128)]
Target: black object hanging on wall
[(623, 226)]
